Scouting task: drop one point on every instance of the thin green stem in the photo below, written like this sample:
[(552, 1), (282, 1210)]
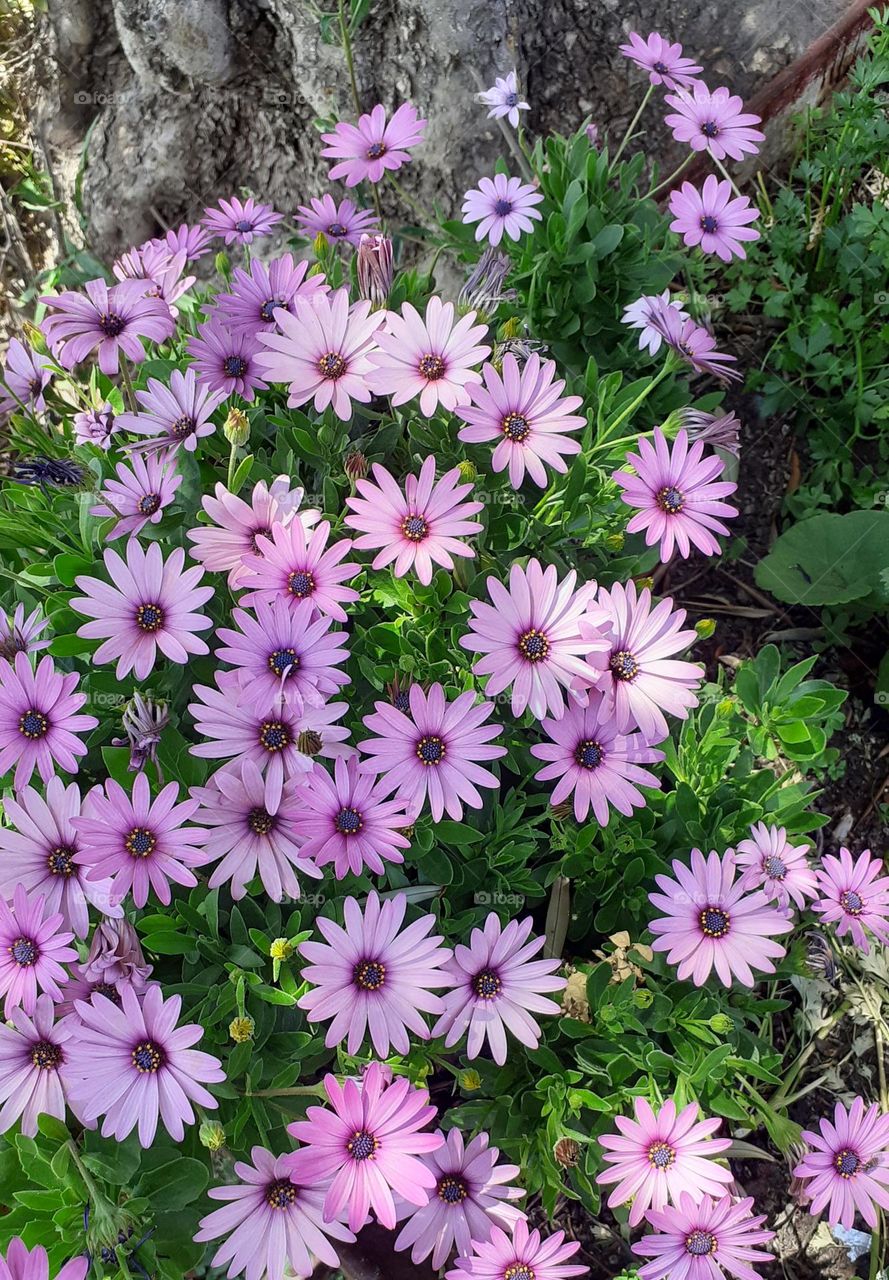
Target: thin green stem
[(346, 38), (607, 442), (128, 385), (425, 218), (95, 1195), (725, 173), (668, 182), (232, 465), (632, 125)]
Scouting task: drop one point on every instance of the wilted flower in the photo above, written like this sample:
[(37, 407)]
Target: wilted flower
[(483, 291), (46, 472), (95, 426), (720, 431), (374, 267), (116, 956), (144, 722)]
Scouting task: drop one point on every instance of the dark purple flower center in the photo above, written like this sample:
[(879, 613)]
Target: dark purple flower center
[(516, 427), (262, 532), (183, 427), (280, 1194), (670, 500), (660, 67), (33, 724), (852, 902), (589, 754), (519, 1271), (348, 821), (234, 366), (149, 617), (709, 224), (260, 822), (502, 208), (148, 1057), (362, 1145), (108, 990), (710, 129), (267, 310), (486, 984), (300, 583), (623, 665), (46, 1055), (274, 735), (511, 100), (376, 150), (661, 1155), (35, 386), (149, 503), (715, 922), (111, 324), (847, 1163), (533, 645), (451, 1189), (140, 843), (332, 365), (774, 867), (336, 229), (402, 701), (244, 225), (430, 750), (700, 1244), (61, 861), (369, 975), (24, 952), (431, 367), (282, 660), (415, 528)]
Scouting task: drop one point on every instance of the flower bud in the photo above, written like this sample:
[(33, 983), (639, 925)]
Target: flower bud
[(705, 627), (281, 949), (467, 470), (34, 337), (236, 428), (510, 328), (212, 1135), (721, 1023), (355, 465), (375, 269), (241, 1029), (469, 1080), (319, 244), (642, 998), (642, 583), (566, 1152), (309, 742), (223, 263), (725, 707), (615, 542)]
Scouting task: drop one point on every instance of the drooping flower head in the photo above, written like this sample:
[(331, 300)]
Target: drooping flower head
[(19, 634), (524, 410), (33, 950), (710, 921), (20, 1264), (241, 221), (692, 342), (295, 565), (713, 217), (256, 295), (660, 1155), (159, 267), (484, 289), (111, 320), (172, 417), (677, 495), (846, 1165), (504, 99), (32, 1067), (347, 821), (39, 722), (226, 361), (143, 721), (498, 987), (25, 376), (854, 896), (96, 426), (638, 316), (719, 430), (701, 1241), (663, 61), (713, 121), (525, 1256), (432, 357), (769, 861), (223, 545), (138, 496), (339, 222), (502, 206), (368, 149), (418, 527)]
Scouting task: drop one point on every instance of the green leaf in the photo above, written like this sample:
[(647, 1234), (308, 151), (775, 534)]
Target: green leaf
[(829, 559), (174, 1184)]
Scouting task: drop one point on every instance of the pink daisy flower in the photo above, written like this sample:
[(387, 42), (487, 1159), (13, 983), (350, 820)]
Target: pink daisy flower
[(96, 426), (368, 149), (40, 852), (524, 410), (702, 1241), (193, 241), (20, 1264), (39, 724), (418, 527), (251, 830), (112, 321), (152, 607), (295, 565), (768, 861), (256, 295), (497, 988), (663, 61), (642, 679), (222, 549), (432, 358), (471, 1197), (501, 205), (174, 416), (592, 760), (677, 495), (240, 222), (658, 1156), (526, 1256), (531, 639), (720, 430), (711, 921), (713, 121), (226, 361), (342, 222), (280, 649), (374, 979), (271, 1220), (713, 217), (367, 1142), (847, 1165), (160, 268), (504, 99), (26, 375), (638, 316), (433, 753), (33, 951), (32, 1063), (347, 821), (135, 1066), (115, 961), (138, 496), (855, 897), (322, 352), (692, 342), (139, 843), (19, 634)]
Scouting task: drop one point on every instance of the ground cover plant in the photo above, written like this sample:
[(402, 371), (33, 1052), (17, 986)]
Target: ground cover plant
[(376, 850)]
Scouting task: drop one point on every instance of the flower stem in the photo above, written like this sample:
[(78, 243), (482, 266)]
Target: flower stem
[(632, 125), (128, 385), (347, 53), (668, 182), (424, 218), (725, 173), (606, 441)]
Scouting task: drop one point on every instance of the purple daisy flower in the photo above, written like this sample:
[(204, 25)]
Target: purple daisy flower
[(713, 217), (272, 1220), (40, 852), (19, 1264), (140, 843), (96, 426), (374, 269), (524, 410), (501, 205), (249, 830), (419, 527), (471, 1198), (240, 222), (135, 1066), (39, 724), (531, 639), (347, 820), (138, 496), (497, 988), (283, 648), (256, 295), (663, 61), (677, 495), (162, 270), (116, 956), (25, 377), (153, 608), (431, 357), (365, 1146), (434, 751), (33, 951), (719, 430), (847, 1165), (174, 416), (658, 1156), (638, 316), (223, 548), (368, 149), (769, 861), (226, 361), (372, 978), (504, 99), (700, 1241), (713, 121), (32, 1067), (113, 320), (193, 241), (295, 565), (341, 222), (525, 1256), (855, 897), (595, 762), (711, 921), (19, 634), (695, 344)]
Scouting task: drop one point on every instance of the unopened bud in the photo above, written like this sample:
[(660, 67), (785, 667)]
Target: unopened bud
[(566, 1152), (469, 1080), (643, 583), (705, 627), (375, 269), (212, 1135), (511, 328), (721, 1023), (725, 707), (615, 542), (34, 336), (467, 469), (223, 263), (236, 428), (309, 742), (241, 1029), (281, 949), (355, 465)]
